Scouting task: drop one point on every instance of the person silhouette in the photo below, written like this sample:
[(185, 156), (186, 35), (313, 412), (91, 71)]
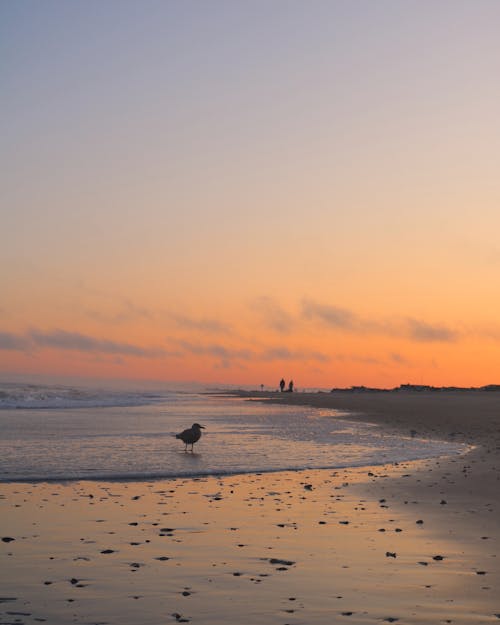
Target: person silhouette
[(282, 385), (290, 387)]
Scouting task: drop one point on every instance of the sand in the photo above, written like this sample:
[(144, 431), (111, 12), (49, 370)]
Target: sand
[(407, 543)]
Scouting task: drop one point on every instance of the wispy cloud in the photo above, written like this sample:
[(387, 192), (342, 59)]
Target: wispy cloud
[(225, 356), (359, 358), (128, 312), (272, 314), (238, 355), (13, 342), (212, 326), (332, 316), (217, 350), (61, 339), (424, 332), (348, 321), (75, 341), (399, 359), (284, 353)]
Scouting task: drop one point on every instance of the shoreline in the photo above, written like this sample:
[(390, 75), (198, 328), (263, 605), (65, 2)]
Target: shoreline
[(457, 417), (445, 414), (413, 543)]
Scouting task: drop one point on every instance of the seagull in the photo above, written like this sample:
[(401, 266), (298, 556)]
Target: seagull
[(191, 435)]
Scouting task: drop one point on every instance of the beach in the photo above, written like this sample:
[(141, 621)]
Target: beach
[(413, 542)]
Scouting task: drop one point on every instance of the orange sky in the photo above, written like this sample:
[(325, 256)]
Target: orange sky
[(241, 192)]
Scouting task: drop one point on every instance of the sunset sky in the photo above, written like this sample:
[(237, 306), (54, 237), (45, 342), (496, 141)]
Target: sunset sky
[(236, 191)]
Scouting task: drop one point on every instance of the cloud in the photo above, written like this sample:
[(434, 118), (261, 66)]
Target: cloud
[(283, 353), (61, 339), (75, 341), (227, 357), (344, 319), (14, 342), (424, 332), (398, 359), (332, 316), (216, 350), (129, 312), (272, 314), (212, 326), (278, 353)]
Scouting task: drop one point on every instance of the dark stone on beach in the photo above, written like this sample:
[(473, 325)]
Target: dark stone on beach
[(480, 572), (391, 619), (73, 581), (347, 613), (284, 562), (106, 551), (134, 523), (438, 558), (185, 593), (162, 558), (423, 563), (344, 522), (8, 539), (419, 522), (390, 554), (443, 502), (308, 486), (47, 583)]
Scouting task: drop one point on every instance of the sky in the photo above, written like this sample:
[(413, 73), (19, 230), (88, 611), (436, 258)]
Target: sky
[(232, 192)]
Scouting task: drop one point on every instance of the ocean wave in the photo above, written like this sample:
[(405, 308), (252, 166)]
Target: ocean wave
[(35, 396)]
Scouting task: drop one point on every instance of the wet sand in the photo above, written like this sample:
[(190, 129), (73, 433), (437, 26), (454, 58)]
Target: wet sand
[(408, 543)]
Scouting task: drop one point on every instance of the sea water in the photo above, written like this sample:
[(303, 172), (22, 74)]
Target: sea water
[(70, 433)]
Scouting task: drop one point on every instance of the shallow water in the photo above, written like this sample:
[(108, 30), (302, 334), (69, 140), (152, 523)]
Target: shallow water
[(60, 433)]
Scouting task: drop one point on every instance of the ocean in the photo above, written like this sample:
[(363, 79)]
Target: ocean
[(64, 433)]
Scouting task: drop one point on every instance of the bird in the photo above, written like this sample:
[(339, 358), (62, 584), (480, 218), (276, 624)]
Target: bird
[(191, 435)]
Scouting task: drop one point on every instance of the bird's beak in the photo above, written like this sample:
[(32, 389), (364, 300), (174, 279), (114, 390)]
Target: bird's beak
[(202, 427)]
